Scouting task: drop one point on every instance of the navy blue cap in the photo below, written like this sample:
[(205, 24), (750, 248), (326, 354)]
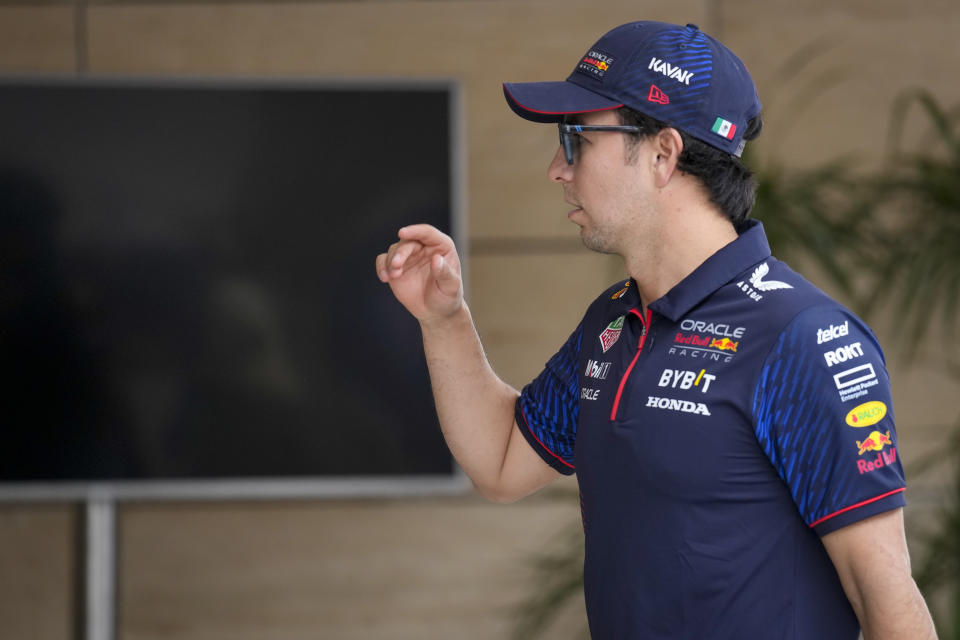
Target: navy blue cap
[(678, 75)]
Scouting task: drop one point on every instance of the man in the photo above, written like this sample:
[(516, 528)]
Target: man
[(730, 425)]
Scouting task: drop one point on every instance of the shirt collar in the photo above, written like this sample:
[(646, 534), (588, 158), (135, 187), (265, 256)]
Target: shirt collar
[(748, 249)]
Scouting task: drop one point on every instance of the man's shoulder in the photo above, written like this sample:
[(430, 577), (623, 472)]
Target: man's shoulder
[(778, 291), (783, 299)]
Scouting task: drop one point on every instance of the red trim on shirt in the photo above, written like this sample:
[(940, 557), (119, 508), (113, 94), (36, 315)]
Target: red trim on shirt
[(854, 506), (545, 447)]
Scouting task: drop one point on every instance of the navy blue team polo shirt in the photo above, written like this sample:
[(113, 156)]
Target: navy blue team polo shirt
[(715, 439)]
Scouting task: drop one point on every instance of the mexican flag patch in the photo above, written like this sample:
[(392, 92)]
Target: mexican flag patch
[(611, 334), (724, 128)]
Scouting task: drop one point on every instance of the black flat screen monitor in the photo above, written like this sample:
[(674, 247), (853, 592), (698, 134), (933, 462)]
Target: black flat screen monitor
[(187, 286)]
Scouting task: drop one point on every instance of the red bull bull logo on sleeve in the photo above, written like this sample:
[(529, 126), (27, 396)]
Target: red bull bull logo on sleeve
[(876, 441)]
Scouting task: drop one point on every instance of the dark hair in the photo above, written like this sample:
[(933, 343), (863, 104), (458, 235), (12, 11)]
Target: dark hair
[(729, 182)]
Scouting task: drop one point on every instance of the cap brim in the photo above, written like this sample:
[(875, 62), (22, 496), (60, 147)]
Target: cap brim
[(551, 101)]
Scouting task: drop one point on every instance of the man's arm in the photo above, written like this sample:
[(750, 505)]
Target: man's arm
[(873, 563), (475, 407)]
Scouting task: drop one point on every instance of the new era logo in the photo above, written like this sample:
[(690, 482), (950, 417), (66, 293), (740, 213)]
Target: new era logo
[(658, 96)]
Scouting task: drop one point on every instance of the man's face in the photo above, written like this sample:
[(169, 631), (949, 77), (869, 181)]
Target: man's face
[(611, 196)]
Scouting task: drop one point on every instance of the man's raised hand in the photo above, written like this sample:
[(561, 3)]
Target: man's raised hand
[(423, 271)]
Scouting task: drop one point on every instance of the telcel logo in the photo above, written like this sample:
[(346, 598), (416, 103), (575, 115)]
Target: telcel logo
[(867, 414), (833, 332)]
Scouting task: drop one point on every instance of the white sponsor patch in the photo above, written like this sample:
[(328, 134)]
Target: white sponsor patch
[(670, 71), (758, 284), (680, 379), (844, 353), (832, 332), (589, 394), (597, 370), (856, 382), (672, 404)]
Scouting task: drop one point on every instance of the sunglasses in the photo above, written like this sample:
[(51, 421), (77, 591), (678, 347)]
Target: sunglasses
[(570, 135)]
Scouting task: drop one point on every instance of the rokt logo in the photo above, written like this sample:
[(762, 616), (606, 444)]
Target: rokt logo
[(844, 353)]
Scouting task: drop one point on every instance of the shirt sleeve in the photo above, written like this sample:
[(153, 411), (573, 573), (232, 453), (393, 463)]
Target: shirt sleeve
[(548, 408), (824, 416)]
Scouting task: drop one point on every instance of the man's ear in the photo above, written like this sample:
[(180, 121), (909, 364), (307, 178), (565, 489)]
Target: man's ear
[(667, 146)]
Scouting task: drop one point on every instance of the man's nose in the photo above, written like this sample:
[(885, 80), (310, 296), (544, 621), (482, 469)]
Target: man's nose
[(559, 170)]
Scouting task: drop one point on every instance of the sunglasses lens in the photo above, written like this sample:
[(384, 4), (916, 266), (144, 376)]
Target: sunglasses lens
[(569, 142)]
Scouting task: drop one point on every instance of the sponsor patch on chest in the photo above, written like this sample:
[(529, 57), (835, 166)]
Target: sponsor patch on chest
[(611, 334)]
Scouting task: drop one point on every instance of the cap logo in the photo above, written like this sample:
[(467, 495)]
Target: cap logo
[(669, 70), (658, 96), (595, 63), (724, 128)]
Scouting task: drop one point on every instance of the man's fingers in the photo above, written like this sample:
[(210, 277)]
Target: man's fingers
[(447, 281), (381, 264), (399, 254), (427, 235), (418, 245)]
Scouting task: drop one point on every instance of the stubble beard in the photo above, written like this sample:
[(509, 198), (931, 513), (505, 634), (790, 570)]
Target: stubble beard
[(597, 240)]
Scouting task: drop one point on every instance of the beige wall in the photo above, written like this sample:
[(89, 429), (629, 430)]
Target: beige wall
[(443, 567)]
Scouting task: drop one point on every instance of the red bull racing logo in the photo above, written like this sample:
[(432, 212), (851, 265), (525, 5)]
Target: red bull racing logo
[(595, 63), (724, 344), (876, 441), (707, 340), (599, 64), (695, 345)]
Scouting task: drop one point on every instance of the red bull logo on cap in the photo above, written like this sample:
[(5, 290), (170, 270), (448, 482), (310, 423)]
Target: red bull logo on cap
[(595, 63)]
